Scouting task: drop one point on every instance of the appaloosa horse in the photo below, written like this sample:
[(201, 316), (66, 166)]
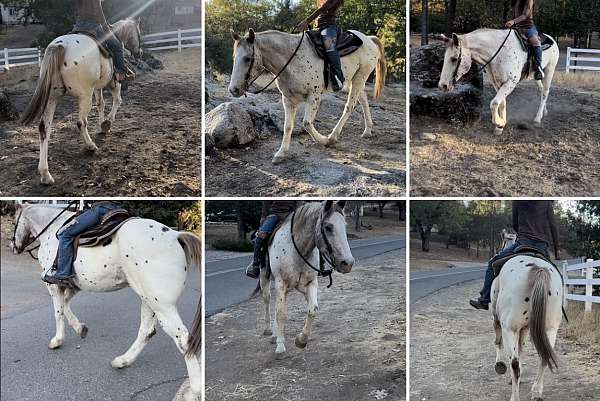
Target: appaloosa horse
[(501, 53), (73, 64), (145, 255), (302, 79), (526, 297), (314, 229)]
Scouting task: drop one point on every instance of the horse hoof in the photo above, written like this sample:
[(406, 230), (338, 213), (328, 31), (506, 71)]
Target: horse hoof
[(331, 141), (277, 159), (500, 368), (498, 130), (280, 349), (301, 340), (84, 331), (54, 344), (105, 126), (537, 399), (273, 340), (47, 179), (118, 363), (267, 332), (366, 134)]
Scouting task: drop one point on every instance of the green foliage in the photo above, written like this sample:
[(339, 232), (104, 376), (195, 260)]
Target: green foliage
[(583, 236), (384, 18), (164, 211), (233, 246)]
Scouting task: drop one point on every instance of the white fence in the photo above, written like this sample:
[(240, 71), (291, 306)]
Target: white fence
[(16, 57), (179, 39), (573, 58), (586, 269), (61, 204)]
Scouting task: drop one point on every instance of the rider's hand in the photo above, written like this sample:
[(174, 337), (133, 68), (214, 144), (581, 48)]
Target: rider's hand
[(303, 26), (509, 23)]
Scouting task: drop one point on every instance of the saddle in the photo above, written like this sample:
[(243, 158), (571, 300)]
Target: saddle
[(546, 41), (521, 250), (103, 50), (347, 43)]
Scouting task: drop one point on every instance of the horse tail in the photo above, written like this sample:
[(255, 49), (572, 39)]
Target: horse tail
[(192, 246), (49, 77), (539, 282), (381, 69)]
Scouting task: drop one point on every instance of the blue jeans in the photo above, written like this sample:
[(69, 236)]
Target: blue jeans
[(530, 32), (108, 38), (330, 38), (489, 273), (265, 230), (84, 221)]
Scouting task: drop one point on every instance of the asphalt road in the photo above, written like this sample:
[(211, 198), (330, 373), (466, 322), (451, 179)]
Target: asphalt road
[(227, 285), (80, 370)]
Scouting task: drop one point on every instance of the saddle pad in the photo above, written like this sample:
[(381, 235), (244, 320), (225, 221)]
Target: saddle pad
[(347, 42), (546, 41), (97, 235), (526, 251), (103, 50)]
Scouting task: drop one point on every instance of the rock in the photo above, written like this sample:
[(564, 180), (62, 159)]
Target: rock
[(229, 125), (8, 112), (427, 136), (463, 104)]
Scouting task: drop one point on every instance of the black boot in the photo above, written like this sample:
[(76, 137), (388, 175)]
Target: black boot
[(479, 303), (253, 269), (335, 68), (539, 72)]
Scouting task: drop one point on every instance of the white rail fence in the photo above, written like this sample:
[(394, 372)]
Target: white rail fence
[(179, 39), (15, 57), (585, 269), (573, 57)]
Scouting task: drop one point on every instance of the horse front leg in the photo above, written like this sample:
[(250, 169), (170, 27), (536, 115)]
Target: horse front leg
[(58, 300), (281, 314), (311, 313), (364, 102), (290, 116), (356, 87), (116, 103), (310, 113), (265, 289), (80, 328), (498, 118), (145, 333), (99, 95), (85, 106), (45, 129)]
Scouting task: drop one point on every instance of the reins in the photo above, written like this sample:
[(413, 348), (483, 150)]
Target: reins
[(22, 249), (251, 82), (321, 271)]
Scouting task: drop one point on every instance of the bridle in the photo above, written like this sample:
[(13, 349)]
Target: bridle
[(22, 248), (249, 80), (326, 258)]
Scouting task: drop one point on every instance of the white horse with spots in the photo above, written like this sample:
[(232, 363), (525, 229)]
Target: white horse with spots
[(504, 68), (319, 229), (302, 80), (73, 64), (145, 255), (526, 297)]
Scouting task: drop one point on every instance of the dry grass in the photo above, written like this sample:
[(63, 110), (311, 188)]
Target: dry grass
[(580, 80), (583, 327)]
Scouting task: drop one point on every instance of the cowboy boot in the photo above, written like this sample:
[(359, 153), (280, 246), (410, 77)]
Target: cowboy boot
[(253, 269), (539, 72), (336, 73)]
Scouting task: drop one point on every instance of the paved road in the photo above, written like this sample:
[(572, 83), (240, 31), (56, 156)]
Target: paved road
[(226, 284), (80, 370)]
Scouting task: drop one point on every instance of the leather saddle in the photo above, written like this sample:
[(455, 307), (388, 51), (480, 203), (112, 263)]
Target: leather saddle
[(546, 41), (521, 250), (103, 50)]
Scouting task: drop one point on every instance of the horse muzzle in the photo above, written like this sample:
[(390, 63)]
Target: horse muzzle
[(236, 91), (345, 266), (445, 87)]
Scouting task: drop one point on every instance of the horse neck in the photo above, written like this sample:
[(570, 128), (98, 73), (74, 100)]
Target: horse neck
[(275, 48), (483, 43), (304, 233), (40, 217)]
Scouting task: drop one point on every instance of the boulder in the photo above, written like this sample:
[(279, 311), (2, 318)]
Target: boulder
[(229, 125), (8, 112), (463, 104)]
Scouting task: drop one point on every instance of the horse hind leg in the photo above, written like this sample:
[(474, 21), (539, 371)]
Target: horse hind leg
[(310, 113), (145, 333), (510, 340), (364, 102), (45, 129), (311, 313), (281, 315), (544, 86), (265, 289), (99, 96), (538, 384), (500, 366), (116, 103), (356, 87), (85, 106), (80, 328)]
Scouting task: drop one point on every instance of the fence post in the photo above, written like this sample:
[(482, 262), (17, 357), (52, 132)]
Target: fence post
[(179, 44), (565, 274), (588, 285), (39, 58), (568, 59), (6, 63)]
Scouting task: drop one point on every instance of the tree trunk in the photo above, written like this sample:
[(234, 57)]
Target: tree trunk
[(402, 211), (241, 228), (424, 22), (425, 233), (450, 16), (357, 216), (505, 10), (381, 206)]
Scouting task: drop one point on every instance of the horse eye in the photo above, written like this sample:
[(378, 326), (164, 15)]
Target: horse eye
[(246, 59), (454, 59), (329, 228)]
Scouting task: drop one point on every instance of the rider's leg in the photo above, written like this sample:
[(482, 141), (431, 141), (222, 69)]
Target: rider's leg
[(115, 47), (265, 230), (333, 57), (485, 294), (535, 43)]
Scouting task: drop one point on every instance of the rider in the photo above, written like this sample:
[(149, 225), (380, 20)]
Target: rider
[(530, 220), (91, 19), (280, 209), (522, 12), (326, 16), (67, 235)]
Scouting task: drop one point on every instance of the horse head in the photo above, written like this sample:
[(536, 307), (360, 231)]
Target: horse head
[(129, 32), (22, 231), (246, 61), (457, 61), (332, 239)]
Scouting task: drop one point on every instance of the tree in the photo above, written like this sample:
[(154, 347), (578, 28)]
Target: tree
[(450, 16), (424, 215)]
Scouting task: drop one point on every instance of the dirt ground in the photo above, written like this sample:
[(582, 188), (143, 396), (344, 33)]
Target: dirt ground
[(556, 159), (439, 257), (452, 355), (374, 166), (153, 149), (357, 351)]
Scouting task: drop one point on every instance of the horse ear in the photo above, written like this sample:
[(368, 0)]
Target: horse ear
[(234, 35), (251, 36), (444, 38), (328, 205), (341, 204), (455, 39)]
